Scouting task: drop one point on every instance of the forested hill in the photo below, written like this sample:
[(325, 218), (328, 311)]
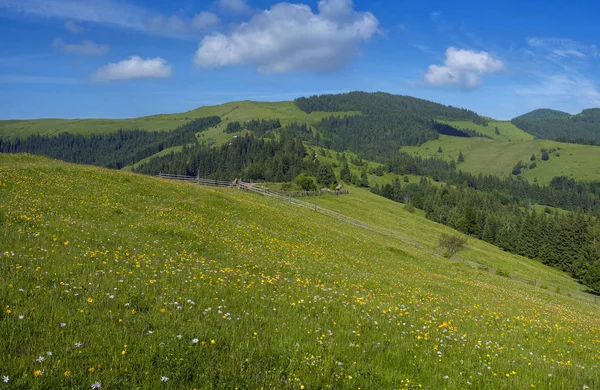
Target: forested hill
[(583, 128), (543, 113), (387, 121), (381, 103)]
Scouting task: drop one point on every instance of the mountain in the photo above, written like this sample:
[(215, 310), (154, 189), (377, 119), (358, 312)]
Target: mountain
[(387, 123), (583, 128), (380, 103), (374, 125)]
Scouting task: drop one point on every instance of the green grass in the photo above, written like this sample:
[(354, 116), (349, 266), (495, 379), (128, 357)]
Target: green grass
[(234, 111), (499, 156), (361, 203), (174, 149), (125, 279), (508, 131)]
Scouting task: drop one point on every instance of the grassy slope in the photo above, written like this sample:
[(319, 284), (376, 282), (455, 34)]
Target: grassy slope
[(173, 149), (241, 111), (499, 156), (275, 297), (365, 206)]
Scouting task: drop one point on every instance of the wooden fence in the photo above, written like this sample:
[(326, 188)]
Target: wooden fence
[(197, 180), (301, 194)]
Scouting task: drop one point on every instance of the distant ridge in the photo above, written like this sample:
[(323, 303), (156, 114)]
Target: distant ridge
[(543, 113), (583, 128)]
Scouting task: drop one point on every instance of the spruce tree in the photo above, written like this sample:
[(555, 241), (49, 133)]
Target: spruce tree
[(345, 174), (461, 158)]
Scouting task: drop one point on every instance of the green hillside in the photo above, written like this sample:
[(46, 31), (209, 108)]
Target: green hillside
[(287, 112), (508, 132), (499, 156), (127, 281)]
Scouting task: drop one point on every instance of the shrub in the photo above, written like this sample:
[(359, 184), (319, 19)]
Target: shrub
[(306, 183), (545, 156), (452, 244), (503, 273)]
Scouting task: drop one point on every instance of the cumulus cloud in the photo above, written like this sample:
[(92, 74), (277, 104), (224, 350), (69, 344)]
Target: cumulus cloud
[(205, 21), (134, 67), (290, 37), (463, 68), (73, 27), (235, 6), (87, 48)]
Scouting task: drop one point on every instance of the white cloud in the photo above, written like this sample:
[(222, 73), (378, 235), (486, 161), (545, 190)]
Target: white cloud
[(204, 21), (569, 52), (463, 68), (73, 27), (133, 68), (175, 24), (25, 79), (561, 71), (87, 48), (99, 11), (562, 47), (120, 14), (290, 37), (235, 6), (571, 92)]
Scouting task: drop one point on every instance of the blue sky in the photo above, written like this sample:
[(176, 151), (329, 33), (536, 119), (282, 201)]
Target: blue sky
[(110, 58)]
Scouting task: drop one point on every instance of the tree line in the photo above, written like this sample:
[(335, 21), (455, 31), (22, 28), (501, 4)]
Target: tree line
[(583, 128), (562, 192), (247, 157), (382, 104), (569, 241), (112, 150), (386, 122), (259, 127)]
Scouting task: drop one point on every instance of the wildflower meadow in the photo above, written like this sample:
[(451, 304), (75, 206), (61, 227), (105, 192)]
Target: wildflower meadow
[(111, 280)]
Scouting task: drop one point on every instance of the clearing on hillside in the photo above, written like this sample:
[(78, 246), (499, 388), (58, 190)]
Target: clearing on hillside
[(499, 156)]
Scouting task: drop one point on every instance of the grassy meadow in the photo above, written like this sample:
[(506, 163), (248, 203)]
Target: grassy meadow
[(499, 156), (124, 281)]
